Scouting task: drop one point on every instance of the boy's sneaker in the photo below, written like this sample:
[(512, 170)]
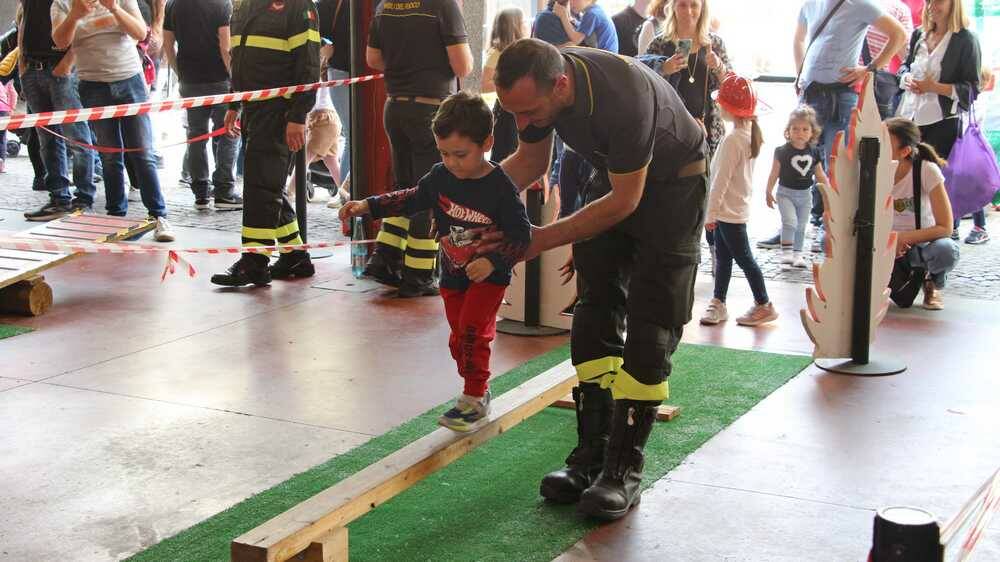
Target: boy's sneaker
[(202, 204), (800, 261), (759, 314), (715, 313), (977, 236), (772, 243), (469, 414), (163, 232), (49, 211), (932, 296), (955, 235), (229, 202)]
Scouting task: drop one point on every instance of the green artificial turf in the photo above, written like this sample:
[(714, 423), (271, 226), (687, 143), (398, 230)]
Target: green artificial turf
[(486, 505), (11, 331)]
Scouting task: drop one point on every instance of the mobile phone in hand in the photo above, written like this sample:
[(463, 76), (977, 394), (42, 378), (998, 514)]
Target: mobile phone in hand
[(684, 47)]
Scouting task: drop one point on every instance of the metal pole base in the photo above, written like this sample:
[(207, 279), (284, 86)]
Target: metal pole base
[(516, 328), (874, 368)]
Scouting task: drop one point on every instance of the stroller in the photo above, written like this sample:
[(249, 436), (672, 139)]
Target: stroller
[(8, 42)]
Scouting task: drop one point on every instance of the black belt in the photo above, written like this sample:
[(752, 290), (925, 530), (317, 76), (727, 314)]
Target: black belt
[(34, 64)]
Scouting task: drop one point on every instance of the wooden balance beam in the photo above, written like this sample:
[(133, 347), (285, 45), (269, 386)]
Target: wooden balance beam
[(22, 289), (315, 530)]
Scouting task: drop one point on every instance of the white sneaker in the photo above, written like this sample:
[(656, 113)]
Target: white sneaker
[(800, 261), (787, 257), (715, 313), (163, 232), (759, 314), (134, 195)]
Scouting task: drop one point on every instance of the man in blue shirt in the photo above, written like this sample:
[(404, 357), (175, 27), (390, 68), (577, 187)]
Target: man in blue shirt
[(593, 22)]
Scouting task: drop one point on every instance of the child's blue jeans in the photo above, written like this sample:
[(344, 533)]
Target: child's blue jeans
[(794, 206)]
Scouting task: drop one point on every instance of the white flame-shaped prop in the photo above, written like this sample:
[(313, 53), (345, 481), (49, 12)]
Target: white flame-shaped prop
[(830, 305)]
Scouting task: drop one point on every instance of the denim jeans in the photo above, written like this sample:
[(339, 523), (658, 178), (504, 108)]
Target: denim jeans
[(794, 205), (341, 98), (978, 219), (833, 104), (127, 132), (224, 148), (731, 244), (46, 92), (938, 257)]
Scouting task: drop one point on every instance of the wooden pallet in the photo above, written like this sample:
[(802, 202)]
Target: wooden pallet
[(22, 289)]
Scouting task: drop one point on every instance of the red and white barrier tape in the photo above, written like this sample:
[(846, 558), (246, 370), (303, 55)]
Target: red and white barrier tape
[(113, 150), (174, 258), (118, 111), (978, 511)]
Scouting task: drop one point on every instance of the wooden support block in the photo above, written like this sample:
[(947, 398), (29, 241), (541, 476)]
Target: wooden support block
[(31, 297), (331, 548), (665, 412), (286, 536)]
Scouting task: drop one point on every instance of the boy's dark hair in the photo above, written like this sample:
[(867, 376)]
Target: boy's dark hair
[(466, 114), (529, 57)]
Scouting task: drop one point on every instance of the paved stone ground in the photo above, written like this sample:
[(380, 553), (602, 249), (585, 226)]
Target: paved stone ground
[(977, 274)]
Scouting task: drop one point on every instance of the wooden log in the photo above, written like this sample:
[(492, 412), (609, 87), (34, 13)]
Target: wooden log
[(31, 297), (285, 536), (666, 412)]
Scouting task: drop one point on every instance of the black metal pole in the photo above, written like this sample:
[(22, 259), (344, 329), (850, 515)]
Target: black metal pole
[(300, 193), (359, 175), (864, 223), (533, 267)]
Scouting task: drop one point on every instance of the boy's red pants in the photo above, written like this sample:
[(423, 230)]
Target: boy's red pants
[(472, 315)]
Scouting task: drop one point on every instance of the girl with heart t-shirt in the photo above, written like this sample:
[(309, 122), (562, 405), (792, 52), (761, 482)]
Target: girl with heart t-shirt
[(797, 165)]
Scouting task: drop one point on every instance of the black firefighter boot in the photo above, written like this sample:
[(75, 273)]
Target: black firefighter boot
[(617, 488), (250, 269), (292, 264), (594, 407)]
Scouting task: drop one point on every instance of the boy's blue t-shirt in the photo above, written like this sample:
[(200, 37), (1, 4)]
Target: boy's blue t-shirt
[(549, 28), (460, 206), (595, 21)]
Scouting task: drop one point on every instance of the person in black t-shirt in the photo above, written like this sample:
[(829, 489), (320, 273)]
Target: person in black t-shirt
[(627, 23), (335, 29), (49, 83), (467, 193), (422, 46), (797, 165), (200, 29), (635, 245)]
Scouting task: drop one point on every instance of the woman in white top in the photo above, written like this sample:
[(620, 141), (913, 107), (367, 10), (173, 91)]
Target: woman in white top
[(653, 25), (940, 80), (508, 27), (926, 245)]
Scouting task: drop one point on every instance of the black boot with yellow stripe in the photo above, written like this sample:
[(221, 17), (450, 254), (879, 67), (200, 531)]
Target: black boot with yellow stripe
[(594, 406), (295, 264)]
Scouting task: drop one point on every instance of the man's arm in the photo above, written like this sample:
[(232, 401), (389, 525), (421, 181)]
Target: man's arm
[(799, 47), (529, 162), (595, 217), (460, 59), (375, 59), (20, 40), (225, 43), (170, 49), (891, 27)]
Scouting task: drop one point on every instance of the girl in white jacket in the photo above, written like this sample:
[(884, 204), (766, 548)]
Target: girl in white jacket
[(729, 203)]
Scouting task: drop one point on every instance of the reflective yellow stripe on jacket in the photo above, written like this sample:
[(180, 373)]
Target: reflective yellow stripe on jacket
[(274, 43)]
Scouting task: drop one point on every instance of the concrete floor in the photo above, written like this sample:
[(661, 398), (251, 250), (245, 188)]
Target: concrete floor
[(138, 409)]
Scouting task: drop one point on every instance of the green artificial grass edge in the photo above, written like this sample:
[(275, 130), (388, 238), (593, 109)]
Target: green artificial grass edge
[(7, 331), (416, 518)]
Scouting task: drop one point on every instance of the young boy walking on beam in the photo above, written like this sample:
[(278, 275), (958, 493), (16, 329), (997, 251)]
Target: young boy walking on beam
[(467, 193)]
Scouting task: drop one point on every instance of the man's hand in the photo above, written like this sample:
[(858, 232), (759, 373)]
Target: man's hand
[(567, 270), (674, 64), (232, 123), (325, 53), (770, 199), (353, 209), (711, 226), (63, 69), (81, 8), (480, 268), (295, 136), (852, 74)]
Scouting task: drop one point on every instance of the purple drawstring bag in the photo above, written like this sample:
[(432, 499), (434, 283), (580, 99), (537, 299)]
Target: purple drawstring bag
[(972, 176)]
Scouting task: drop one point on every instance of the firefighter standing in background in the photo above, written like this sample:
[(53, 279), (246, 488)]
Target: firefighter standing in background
[(274, 43), (421, 45)]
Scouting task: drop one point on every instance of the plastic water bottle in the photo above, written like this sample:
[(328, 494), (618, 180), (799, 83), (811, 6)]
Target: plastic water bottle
[(359, 252)]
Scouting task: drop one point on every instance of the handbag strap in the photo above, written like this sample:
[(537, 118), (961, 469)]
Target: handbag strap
[(917, 173), (822, 26)]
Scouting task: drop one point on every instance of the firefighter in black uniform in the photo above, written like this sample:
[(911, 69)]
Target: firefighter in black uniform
[(421, 46), (274, 43), (635, 245)]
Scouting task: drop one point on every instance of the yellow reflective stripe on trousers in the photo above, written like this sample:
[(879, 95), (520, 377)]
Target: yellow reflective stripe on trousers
[(290, 228), (418, 263), (294, 241), (258, 233), (275, 43), (627, 388), (595, 369), (390, 239), (401, 222), (428, 244)]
